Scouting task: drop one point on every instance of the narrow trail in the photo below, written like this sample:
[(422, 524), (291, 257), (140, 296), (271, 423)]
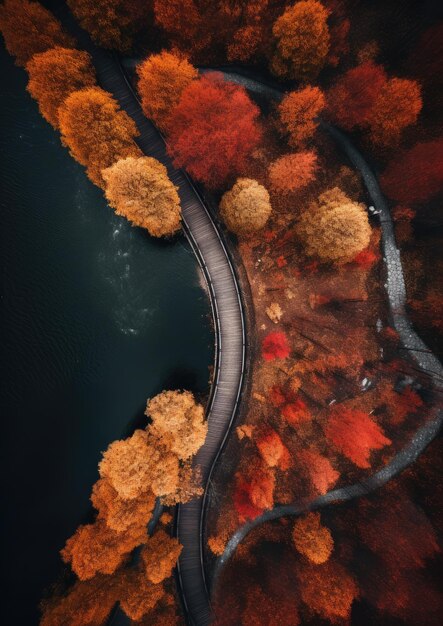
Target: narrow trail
[(416, 349), (228, 315)]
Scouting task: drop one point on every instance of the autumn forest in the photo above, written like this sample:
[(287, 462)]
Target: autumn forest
[(298, 147)]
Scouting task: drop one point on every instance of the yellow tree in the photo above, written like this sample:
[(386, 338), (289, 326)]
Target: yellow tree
[(54, 75), (246, 208), (335, 228), (29, 28), (177, 422), (140, 190)]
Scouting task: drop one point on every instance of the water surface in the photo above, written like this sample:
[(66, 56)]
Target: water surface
[(97, 317)]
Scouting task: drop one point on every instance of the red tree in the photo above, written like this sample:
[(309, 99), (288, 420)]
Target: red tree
[(254, 493), (213, 130), (275, 346), (352, 97), (415, 175), (355, 434)]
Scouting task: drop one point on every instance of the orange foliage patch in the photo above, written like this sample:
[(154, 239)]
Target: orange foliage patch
[(272, 450), (312, 539), (299, 112), (328, 590)]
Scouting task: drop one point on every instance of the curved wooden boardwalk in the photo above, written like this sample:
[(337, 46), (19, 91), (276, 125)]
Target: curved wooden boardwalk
[(228, 315)]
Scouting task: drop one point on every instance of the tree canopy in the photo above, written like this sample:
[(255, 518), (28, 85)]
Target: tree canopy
[(161, 81), (302, 41), (96, 131), (177, 422), (113, 23), (335, 228), (299, 111), (415, 175), (291, 172), (28, 28), (246, 208), (140, 190), (213, 130), (54, 75)]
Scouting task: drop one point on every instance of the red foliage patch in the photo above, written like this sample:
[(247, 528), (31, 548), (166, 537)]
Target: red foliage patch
[(276, 396), (296, 412), (366, 258), (254, 494), (275, 346)]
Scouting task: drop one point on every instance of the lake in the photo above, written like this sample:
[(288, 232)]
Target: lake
[(97, 317)]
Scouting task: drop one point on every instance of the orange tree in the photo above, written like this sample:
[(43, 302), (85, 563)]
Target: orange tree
[(54, 75), (96, 131), (298, 112), (161, 81), (27, 28), (302, 41)]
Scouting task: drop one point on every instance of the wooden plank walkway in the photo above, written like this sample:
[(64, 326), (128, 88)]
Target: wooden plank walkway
[(229, 323)]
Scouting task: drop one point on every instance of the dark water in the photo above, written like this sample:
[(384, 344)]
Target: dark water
[(96, 318)]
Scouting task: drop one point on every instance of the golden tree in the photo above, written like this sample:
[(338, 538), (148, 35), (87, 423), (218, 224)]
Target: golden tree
[(177, 422), (312, 539), (54, 75), (161, 81), (138, 462), (96, 131), (140, 190), (246, 208), (335, 228), (28, 28), (159, 556), (299, 111), (302, 37)]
